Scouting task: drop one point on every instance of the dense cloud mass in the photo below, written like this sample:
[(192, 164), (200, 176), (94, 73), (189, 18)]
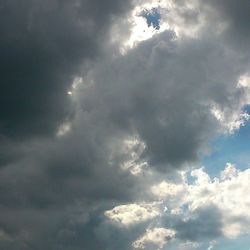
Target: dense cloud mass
[(42, 47), (103, 118)]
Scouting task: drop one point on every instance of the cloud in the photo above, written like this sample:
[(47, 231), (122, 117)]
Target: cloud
[(164, 91), (43, 46), (202, 212), (156, 237), (92, 139), (133, 213), (211, 207), (235, 18), (204, 223)]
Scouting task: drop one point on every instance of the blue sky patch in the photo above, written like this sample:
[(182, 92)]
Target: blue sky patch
[(231, 148), (152, 17)]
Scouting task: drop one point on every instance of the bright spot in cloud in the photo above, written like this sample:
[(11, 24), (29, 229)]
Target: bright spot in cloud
[(63, 129), (230, 122), (150, 18), (165, 189), (133, 149), (141, 31), (244, 81), (76, 82)]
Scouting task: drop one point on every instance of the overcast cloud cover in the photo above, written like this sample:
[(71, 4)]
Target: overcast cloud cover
[(107, 109)]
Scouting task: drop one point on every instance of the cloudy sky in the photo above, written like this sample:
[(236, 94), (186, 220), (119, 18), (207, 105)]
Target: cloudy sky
[(124, 124)]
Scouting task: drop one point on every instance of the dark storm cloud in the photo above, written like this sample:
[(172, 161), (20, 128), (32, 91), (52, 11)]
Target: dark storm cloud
[(47, 195), (42, 45), (162, 91)]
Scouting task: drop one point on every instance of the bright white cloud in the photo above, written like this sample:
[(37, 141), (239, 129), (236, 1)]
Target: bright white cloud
[(193, 192), (184, 20), (231, 121), (133, 213), (229, 193), (132, 148), (165, 189), (234, 119), (63, 129), (244, 81), (154, 238)]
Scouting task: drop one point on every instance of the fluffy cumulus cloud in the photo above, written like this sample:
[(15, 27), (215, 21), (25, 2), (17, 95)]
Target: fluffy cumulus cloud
[(210, 204), (194, 208), (156, 237), (106, 110), (132, 213)]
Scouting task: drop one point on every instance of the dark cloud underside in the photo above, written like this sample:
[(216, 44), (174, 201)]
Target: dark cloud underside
[(42, 45)]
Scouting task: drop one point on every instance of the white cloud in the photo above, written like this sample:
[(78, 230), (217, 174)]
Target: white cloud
[(229, 193), (229, 172), (133, 213), (63, 129), (231, 121), (183, 200), (244, 81), (156, 237), (211, 245), (165, 189), (132, 148), (184, 20)]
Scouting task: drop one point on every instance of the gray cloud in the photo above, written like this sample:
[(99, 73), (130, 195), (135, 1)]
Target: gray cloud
[(54, 190), (43, 44), (205, 223), (164, 91), (235, 17)]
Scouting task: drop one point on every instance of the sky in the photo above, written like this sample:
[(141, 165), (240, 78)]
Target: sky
[(124, 124)]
